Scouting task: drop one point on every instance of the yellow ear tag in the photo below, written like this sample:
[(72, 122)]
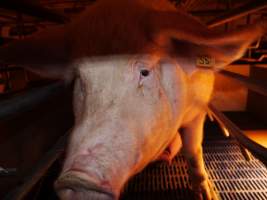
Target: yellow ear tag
[(205, 61)]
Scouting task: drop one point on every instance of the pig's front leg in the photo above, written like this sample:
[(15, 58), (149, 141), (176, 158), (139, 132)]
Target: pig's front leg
[(171, 151), (192, 136)]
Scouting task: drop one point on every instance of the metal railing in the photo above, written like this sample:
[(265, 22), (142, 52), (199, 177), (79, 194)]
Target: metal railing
[(27, 100), (252, 84), (234, 14)]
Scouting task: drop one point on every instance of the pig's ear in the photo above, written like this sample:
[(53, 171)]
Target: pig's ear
[(44, 53), (188, 40)]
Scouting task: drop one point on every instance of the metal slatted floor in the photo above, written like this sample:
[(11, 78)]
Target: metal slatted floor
[(234, 178)]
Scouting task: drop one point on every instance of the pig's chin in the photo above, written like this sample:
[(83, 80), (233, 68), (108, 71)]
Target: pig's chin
[(76, 185)]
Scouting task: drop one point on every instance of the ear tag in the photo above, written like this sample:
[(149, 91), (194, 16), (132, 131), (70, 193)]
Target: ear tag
[(205, 62)]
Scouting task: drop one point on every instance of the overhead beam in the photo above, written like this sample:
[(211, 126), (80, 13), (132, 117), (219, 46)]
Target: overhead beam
[(33, 9), (234, 14)]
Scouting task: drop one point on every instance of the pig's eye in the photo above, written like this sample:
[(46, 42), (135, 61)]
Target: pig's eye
[(144, 72)]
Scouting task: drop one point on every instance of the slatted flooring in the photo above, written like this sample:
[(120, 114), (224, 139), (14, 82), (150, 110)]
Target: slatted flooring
[(232, 176)]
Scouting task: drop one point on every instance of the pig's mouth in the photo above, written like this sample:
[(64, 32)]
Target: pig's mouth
[(73, 185)]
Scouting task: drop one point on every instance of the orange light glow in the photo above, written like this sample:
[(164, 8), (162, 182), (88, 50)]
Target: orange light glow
[(259, 136), (225, 131)]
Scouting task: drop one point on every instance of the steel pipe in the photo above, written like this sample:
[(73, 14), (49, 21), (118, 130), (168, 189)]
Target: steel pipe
[(257, 150), (260, 59), (9, 69), (207, 12), (254, 85), (234, 14), (23, 102)]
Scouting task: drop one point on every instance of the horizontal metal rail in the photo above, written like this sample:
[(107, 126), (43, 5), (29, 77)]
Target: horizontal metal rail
[(20, 103), (8, 69), (257, 150), (234, 14), (39, 171), (252, 84)]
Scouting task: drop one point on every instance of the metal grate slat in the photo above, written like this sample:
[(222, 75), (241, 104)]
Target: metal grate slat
[(233, 177)]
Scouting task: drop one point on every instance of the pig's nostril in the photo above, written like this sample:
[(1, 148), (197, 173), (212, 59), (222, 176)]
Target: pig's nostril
[(70, 187)]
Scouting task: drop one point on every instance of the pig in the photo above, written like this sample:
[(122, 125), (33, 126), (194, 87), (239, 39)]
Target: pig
[(138, 95)]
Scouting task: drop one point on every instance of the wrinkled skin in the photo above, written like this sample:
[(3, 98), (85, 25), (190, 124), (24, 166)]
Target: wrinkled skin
[(119, 129), (138, 95)]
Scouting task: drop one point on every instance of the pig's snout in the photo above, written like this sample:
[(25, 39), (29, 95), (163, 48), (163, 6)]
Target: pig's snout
[(73, 186)]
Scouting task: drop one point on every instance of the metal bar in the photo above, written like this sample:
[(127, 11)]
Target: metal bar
[(207, 12), (33, 9), (39, 171), (245, 153), (8, 69), (4, 172), (8, 17), (244, 10), (252, 84), (257, 150), (55, 2), (260, 59), (27, 100)]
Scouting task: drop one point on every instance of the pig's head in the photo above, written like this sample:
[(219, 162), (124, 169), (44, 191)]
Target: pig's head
[(130, 94), (125, 118)]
